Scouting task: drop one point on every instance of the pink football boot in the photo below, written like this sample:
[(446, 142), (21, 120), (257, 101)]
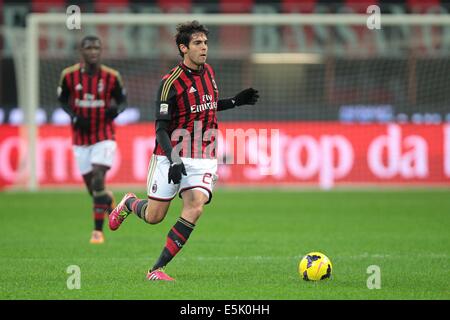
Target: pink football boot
[(120, 213), (158, 274)]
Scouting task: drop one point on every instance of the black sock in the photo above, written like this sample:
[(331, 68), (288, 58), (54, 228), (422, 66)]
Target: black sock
[(176, 238), (102, 203), (137, 206)]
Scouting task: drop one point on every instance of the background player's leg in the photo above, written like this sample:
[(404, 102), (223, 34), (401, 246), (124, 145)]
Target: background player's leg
[(193, 201), (102, 199), (97, 235), (88, 182), (83, 158)]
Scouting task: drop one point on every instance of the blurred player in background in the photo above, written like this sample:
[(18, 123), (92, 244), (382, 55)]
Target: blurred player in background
[(85, 91), (187, 99)]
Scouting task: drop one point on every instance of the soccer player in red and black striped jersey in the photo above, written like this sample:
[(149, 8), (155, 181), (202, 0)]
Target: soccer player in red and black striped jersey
[(85, 92), (186, 106)]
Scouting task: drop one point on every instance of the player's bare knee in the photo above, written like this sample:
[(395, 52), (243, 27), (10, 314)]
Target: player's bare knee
[(153, 219), (193, 210), (155, 215)]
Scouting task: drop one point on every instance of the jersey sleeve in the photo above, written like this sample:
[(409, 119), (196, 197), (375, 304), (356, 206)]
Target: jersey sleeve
[(166, 100), (118, 92), (63, 91)]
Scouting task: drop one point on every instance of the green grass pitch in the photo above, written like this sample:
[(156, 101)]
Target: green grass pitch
[(247, 245)]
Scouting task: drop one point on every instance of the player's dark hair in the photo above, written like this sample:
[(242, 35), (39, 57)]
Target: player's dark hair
[(89, 38), (185, 32)]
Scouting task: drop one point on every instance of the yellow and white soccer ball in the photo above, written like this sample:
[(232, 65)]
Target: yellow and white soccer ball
[(315, 266)]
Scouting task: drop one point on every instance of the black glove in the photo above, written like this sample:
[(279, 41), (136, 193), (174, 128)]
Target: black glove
[(175, 171), (81, 123), (247, 96), (111, 113)]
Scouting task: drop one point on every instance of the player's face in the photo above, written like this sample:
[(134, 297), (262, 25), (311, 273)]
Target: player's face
[(197, 51), (91, 51)]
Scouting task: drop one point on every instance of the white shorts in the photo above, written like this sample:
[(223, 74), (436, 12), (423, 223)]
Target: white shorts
[(201, 175), (101, 153)]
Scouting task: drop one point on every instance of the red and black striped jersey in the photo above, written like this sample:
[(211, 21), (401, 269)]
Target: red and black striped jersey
[(188, 99), (89, 96)]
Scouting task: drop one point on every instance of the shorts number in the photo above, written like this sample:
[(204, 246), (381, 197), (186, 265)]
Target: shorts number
[(207, 178)]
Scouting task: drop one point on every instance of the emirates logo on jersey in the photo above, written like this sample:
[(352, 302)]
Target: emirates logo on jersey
[(89, 101), (204, 106), (208, 103)]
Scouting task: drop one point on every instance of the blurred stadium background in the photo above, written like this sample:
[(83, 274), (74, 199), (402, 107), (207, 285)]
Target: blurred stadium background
[(354, 106)]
